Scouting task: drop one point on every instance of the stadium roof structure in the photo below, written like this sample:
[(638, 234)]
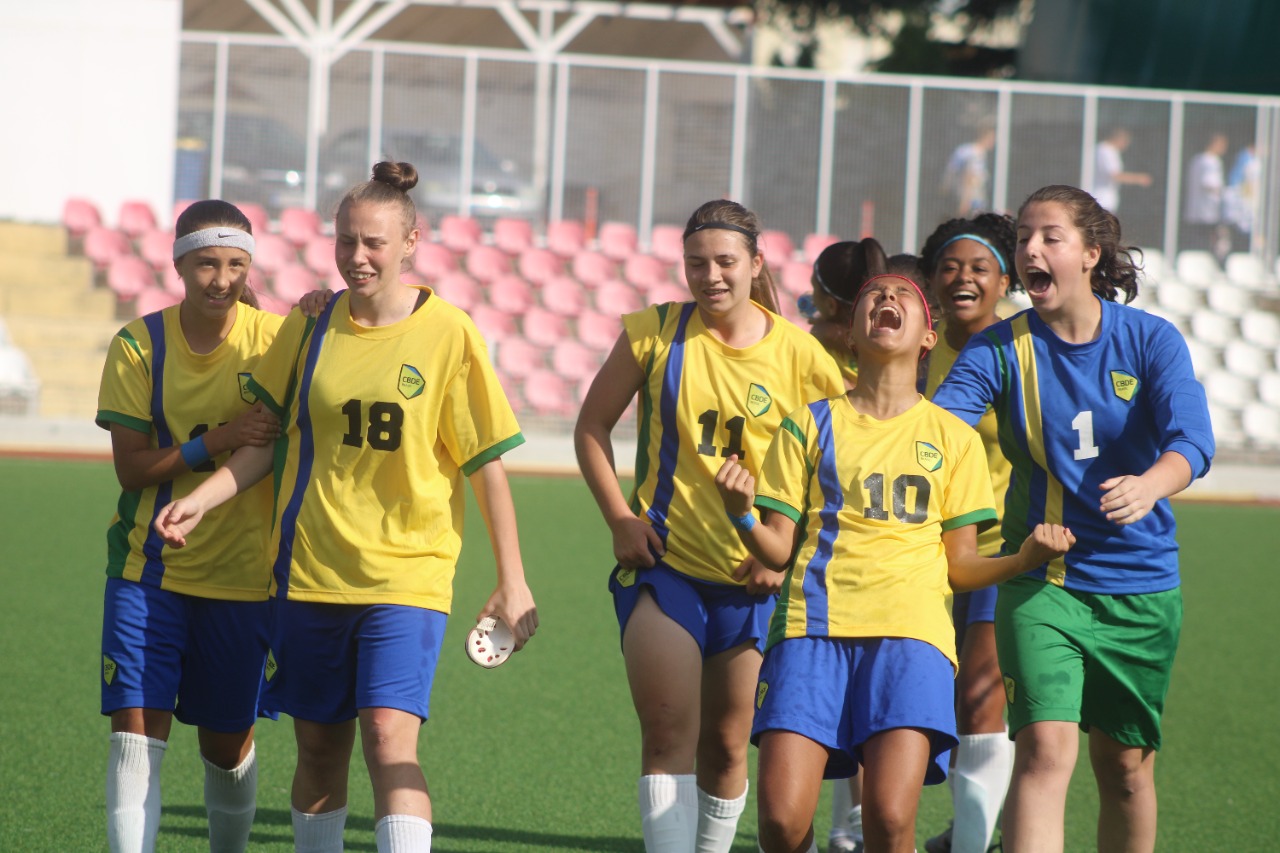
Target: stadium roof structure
[(330, 28)]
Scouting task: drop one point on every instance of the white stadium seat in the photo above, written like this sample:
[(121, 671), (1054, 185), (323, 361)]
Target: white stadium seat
[(1212, 328), (1204, 358), (1172, 295), (1154, 266), (1227, 429), (1247, 271), (1261, 328), (1261, 423), (1229, 390), (1226, 298), (1198, 267), (1244, 359), (1269, 389)]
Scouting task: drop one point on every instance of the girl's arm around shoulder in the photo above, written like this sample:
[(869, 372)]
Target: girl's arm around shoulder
[(511, 600), (967, 571), (771, 542), (973, 383), (246, 467)]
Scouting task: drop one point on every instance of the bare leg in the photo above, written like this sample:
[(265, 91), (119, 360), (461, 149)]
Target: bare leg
[(1035, 809), (390, 741), (1126, 795), (791, 768), (895, 762)]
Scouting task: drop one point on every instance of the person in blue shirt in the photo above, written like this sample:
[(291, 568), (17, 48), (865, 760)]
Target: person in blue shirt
[(1102, 419)]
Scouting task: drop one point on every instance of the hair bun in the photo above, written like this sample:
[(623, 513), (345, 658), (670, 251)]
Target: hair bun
[(400, 176)]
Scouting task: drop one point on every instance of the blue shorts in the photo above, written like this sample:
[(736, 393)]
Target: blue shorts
[(201, 658), (718, 616), (968, 608), (838, 692), (330, 660)]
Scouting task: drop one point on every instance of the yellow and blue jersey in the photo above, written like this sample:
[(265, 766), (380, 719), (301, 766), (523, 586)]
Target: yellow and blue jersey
[(153, 383), (703, 401), (941, 358), (847, 364), (381, 426), (871, 499), (1071, 416)]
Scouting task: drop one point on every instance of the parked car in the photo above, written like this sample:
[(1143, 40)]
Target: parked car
[(263, 160)]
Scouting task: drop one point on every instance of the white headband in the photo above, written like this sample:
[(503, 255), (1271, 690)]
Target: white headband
[(223, 236)]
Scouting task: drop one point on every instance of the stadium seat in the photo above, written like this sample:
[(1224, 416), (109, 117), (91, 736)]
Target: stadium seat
[(667, 293), (136, 218), (272, 253), (617, 240), (564, 296), (1261, 424), (172, 283), (104, 245), (777, 247), (515, 356), (599, 331), (667, 244), (645, 271), (1228, 390), (510, 294), (179, 207), (433, 261), (796, 278), (1261, 328), (129, 275), (1154, 266), (156, 248), (574, 360), (1197, 267), (493, 324), (1172, 295), (815, 243), (1244, 359), (593, 269), (294, 281), (1212, 328), (617, 298), (1204, 358), (1229, 299), (154, 299), (318, 255), (459, 289), (1269, 389), (1247, 271), (543, 328), (538, 266), (79, 215), (460, 233), (512, 236), (298, 225), (257, 216), (565, 237), (548, 394), (486, 263)]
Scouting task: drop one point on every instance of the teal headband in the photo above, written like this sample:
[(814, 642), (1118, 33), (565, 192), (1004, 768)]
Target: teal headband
[(975, 238)]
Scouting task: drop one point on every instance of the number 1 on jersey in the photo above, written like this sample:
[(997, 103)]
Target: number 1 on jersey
[(1083, 424)]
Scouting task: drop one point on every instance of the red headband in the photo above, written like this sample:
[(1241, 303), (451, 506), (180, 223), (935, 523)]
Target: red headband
[(928, 316)]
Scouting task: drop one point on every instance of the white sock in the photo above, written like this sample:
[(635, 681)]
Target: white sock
[(402, 833), (855, 821), (318, 833), (230, 798), (718, 821), (669, 812), (983, 765), (133, 792)]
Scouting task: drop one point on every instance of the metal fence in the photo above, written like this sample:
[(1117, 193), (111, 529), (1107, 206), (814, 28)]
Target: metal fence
[(648, 141)]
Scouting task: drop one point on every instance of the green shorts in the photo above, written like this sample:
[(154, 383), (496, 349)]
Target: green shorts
[(1080, 657)]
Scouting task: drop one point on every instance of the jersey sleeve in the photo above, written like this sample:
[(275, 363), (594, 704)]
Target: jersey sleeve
[(643, 329), (973, 383), (272, 379), (784, 475), (827, 375), (1178, 400), (968, 498), (124, 396), (477, 424)]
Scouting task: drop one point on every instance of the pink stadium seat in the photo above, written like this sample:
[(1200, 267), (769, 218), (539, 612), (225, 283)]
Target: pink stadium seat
[(617, 298), (777, 246), (136, 217), (172, 283), (257, 216), (510, 294), (154, 299), (486, 263), (272, 253), (104, 245), (294, 281), (574, 360), (274, 304), (565, 237), (599, 331), (492, 323), (128, 276), (593, 269), (539, 265), (512, 236), (543, 328), (790, 309), (668, 244), (156, 248), (79, 215), (667, 293), (564, 296), (645, 271), (179, 207), (318, 255), (460, 233), (548, 394), (298, 225), (517, 357), (434, 261), (815, 243), (617, 240), (796, 278), (458, 288)]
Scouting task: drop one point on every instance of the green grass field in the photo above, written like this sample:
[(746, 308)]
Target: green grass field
[(541, 755)]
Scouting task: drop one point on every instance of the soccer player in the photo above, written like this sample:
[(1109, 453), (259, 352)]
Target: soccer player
[(873, 502), (184, 633), (388, 401), (1102, 418), (714, 376), (969, 266)]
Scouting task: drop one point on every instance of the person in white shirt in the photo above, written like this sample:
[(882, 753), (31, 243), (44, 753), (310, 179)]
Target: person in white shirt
[(1202, 199), (1109, 172)]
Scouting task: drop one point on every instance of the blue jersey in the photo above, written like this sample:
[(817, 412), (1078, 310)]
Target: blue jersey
[(1074, 415)]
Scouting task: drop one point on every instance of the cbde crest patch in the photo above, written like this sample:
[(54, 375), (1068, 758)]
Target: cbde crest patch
[(410, 382), (758, 400), (761, 689), (1124, 385), (928, 456), (108, 669), (245, 393), (272, 667)]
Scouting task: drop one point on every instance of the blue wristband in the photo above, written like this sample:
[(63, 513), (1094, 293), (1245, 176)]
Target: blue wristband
[(743, 522), (194, 452)]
